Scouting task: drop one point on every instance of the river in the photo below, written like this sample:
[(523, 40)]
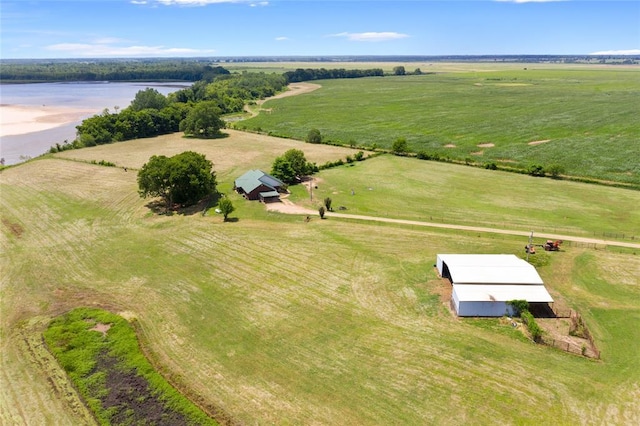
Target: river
[(23, 108)]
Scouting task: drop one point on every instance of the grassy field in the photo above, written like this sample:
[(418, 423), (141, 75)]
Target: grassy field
[(273, 320), (582, 118)]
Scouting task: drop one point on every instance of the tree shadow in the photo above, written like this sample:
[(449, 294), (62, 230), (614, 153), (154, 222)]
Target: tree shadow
[(232, 220), (220, 135), (158, 206)]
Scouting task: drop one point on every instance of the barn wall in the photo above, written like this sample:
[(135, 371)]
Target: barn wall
[(483, 309)]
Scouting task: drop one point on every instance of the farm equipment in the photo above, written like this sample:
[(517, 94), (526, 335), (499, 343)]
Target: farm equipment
[(551, 245)]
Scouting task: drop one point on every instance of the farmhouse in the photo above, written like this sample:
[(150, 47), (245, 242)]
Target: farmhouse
[(257, 185), (484, 283)]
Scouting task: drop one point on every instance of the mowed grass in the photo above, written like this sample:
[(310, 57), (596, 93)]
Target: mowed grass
[(274, 320), (408, 188), (231, 156), (586, 117)]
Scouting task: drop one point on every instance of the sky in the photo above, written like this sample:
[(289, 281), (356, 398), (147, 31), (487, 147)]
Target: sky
[(225, 28)]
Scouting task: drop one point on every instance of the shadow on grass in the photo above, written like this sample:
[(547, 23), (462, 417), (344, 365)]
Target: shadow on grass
[(220, 135), (159, 207)]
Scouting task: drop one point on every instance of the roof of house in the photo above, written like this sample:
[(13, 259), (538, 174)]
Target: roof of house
[(500, 269), (501, 293), (254, 178)]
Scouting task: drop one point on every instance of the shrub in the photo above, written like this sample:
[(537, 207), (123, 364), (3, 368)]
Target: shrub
[(532, 325), (314, 136), (519, 306), (535, 170), (359, 156), (321, 211), (555, 170), (491, 166)]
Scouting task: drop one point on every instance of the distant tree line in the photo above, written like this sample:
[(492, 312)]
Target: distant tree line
[(196, 110), (325, 74), (140, 70)]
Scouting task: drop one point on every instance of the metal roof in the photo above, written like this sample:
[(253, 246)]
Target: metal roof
[(501, 293), (254, 178), (490, 269), (269, 194)]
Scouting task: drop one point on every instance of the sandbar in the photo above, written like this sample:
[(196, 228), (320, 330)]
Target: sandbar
[(23, 119)]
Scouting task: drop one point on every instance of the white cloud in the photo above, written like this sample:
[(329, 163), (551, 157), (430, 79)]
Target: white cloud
[(617, 52), (282, 38), (101, 50), (371, 36), (138, 1), (205, 2)]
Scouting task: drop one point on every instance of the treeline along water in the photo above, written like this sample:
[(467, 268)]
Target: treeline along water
[(88, 96)]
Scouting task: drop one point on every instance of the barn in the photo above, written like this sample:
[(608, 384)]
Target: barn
[(257, 185), (484, 283)]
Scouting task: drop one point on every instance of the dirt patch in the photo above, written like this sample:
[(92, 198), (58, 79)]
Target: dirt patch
[(533, 143), (130, 397), (486, 145), (478, 153), (102, 328), (286, 206), (15, 228), (450, 145)]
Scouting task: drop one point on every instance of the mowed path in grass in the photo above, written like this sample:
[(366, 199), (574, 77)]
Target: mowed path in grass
[(275, 320)]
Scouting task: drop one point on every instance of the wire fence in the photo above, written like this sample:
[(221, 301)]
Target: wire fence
[(579, 342)]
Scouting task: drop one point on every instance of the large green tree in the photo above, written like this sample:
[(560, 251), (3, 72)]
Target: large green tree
[(149, 98), (185, 178), (292, 166), (203, 121)]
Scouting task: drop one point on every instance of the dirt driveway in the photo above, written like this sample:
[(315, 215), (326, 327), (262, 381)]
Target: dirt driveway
[(286, 206)]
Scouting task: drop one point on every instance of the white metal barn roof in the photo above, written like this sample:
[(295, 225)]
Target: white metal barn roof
[(488, 269), (484, 283), (501, 293)]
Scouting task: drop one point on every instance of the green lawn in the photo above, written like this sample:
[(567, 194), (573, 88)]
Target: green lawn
[(269, 319), (407, 188), (587, 116)]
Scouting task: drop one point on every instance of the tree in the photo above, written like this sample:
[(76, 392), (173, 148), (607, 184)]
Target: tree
[(536, 170), (291, 166), (148, 98), (203, 121), (327, 203), (399, 146), (555, 170), (226, 207), (185, 178), (153, 179), (314, 136), (321, 212), (399, 70)]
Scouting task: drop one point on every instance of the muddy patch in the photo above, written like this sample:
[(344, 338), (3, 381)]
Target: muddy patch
[(130, 399)]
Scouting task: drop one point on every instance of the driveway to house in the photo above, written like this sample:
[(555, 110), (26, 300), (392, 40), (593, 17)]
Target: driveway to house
[(286, 206)]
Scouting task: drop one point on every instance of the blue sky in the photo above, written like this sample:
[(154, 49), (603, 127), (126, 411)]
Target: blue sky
[(191, 28)]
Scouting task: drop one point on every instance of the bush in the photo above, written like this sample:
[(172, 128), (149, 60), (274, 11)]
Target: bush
[(491, 166), (555, 170), (314, 136), (532, 325), (519, 306), (535, 170)]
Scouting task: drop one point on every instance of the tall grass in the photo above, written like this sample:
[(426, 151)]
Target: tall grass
[(587, 116)]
